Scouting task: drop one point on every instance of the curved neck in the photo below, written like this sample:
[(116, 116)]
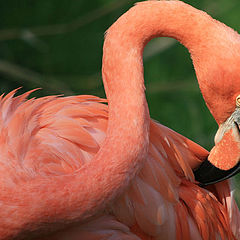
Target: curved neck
[(196, 30), (126, 144)]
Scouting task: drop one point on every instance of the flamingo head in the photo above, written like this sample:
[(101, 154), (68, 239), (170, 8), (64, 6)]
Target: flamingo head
[(220, 85)]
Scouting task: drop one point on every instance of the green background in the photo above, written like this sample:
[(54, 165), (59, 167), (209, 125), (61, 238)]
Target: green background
[(57, 45)]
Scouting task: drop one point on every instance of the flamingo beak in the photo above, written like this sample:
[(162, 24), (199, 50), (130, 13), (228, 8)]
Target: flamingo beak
[(223, 161)]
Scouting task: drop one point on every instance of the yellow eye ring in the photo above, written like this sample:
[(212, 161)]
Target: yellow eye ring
[(238, 101)]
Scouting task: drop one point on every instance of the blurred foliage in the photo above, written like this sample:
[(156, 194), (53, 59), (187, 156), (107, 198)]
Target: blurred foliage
[(57, 45)]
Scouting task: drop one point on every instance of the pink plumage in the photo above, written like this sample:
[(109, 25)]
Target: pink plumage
[(76, 168)]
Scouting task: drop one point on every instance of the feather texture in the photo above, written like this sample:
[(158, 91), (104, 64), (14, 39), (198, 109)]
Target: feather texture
[(57, 136)]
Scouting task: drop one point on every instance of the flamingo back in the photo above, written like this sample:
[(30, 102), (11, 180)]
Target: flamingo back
[(53, 136)]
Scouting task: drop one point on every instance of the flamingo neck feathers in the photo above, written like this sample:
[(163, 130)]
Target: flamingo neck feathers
[(212, 45)]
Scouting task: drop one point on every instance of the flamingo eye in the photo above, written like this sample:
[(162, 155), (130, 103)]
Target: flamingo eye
[(238, 101)]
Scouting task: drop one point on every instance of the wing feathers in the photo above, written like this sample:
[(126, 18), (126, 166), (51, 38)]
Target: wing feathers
[(56, 135), (50, 135)]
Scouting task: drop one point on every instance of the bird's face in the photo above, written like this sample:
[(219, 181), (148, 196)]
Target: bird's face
[(231, 124), (223, 101), (221, 90)]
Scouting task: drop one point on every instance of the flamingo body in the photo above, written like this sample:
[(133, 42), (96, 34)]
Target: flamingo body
[(76, 168), (54, 136)]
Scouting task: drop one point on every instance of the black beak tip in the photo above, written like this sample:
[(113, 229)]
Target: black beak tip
[(208, 174)]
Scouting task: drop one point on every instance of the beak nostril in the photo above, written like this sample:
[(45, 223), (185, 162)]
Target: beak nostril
[(236, 124)]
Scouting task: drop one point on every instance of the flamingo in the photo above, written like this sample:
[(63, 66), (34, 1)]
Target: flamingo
[(76, 168)]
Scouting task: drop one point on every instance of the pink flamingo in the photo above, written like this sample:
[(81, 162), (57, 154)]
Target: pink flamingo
[(74, 168)]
